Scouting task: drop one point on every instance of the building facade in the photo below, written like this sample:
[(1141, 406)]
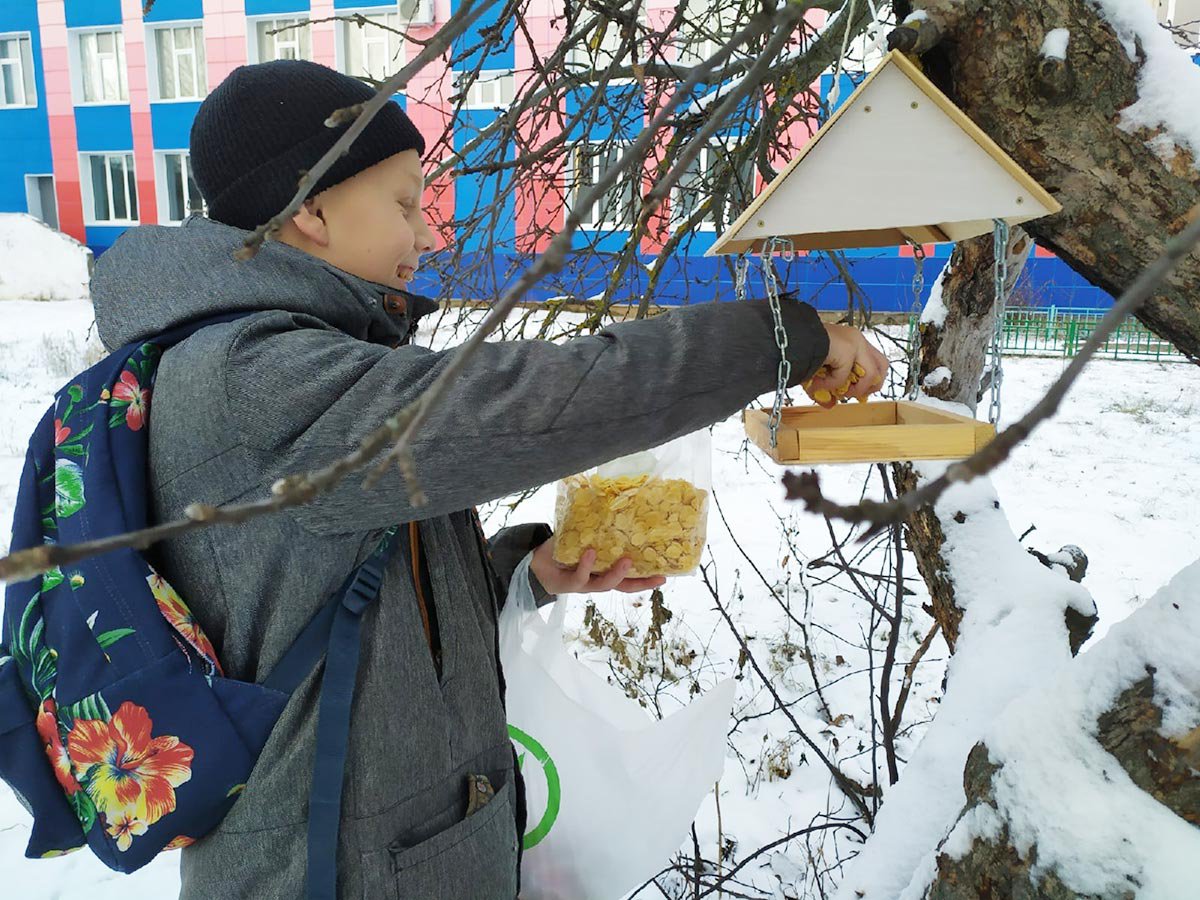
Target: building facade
[(97, 101)]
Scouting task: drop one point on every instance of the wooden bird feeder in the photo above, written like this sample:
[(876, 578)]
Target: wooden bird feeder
[(868, 432), (897, 162)]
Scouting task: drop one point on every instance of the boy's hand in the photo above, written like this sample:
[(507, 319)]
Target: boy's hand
[(582, 580), (853, 368)]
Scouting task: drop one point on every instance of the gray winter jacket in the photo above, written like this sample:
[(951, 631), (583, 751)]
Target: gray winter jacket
[(292, 386)]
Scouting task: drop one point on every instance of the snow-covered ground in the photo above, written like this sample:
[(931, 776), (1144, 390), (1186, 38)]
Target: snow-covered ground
[(38, 262), (1112, 474)]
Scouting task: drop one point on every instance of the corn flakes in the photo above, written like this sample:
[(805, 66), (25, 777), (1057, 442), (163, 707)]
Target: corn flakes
[(659, 523)]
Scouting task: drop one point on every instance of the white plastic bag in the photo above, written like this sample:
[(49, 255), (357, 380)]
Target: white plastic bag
[(611, 792), (650, 506)]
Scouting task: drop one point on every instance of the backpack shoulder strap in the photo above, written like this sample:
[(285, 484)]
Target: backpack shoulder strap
[(335, 633)]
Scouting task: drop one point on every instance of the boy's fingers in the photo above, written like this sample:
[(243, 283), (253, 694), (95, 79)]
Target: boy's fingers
[(824, 388), (583, 571), (612, 577)]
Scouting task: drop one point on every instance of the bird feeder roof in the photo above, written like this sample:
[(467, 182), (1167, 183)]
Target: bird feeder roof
[(896, 162)]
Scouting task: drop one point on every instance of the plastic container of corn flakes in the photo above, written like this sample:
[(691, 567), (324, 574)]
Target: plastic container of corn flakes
[(650, 506)]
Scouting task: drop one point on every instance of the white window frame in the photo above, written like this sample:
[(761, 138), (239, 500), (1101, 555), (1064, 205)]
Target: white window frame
[(162, 188), (25, 80), (31, 179), (76, 39), (291, 37), (581, 59), (89, 200), (591, 223), (199, 86), (345, 32), (716, 22), (705, 156), (491, 89)]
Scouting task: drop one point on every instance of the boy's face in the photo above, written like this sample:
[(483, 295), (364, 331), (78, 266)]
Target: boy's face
[(371, 225)]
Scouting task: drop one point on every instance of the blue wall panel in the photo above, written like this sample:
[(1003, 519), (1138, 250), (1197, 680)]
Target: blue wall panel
[(86, 13), (101, 237), (173, 10), (24, 133), (478, 191), (886, 280), (498, 57), (171, 124), (103, 128), (275, 7)]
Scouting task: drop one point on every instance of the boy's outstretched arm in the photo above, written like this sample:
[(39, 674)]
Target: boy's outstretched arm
[(523, 413)]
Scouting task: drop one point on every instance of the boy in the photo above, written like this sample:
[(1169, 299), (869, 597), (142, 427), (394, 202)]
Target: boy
[(319, 359)]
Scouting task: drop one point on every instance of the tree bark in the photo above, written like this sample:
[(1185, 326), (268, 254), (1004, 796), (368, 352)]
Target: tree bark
[(1122, 199), (1168, 770), (959, 344)]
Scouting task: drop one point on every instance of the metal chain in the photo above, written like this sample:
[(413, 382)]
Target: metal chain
[(781, 337), (914, 314), (1000, 249), (741, 269)]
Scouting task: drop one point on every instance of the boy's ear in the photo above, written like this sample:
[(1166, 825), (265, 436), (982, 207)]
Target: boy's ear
[(310, 221)]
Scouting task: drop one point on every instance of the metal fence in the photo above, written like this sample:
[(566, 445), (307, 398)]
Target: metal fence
[(1062, 332)]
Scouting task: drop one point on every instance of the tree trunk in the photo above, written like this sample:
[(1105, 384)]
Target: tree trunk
[(959, 343), (1167, 770), (1060, 121)]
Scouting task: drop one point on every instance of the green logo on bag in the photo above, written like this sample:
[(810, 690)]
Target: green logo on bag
[(527, 745)]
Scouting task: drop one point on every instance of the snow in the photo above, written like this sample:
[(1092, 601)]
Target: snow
[(1168, 83), (938, 376), (1105, 475), (1055, 44), (935, 311), (1012, 638), (1054, 774), (39, 263)]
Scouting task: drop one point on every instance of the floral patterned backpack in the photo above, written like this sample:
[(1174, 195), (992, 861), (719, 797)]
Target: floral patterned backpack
[(118, 728)]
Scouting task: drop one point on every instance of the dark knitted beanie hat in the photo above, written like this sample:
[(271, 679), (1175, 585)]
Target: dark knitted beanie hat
[(265, 124)]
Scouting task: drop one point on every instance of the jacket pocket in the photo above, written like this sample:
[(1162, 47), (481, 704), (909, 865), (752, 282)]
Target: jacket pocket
[(475, 857)]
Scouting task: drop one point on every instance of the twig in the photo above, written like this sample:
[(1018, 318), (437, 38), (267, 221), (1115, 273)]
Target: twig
[(554, 256), (853, 790), (806, 486), (363, 114)]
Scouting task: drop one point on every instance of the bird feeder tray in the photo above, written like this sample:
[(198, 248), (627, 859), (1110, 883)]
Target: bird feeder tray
[(884, 431), (897, 162)]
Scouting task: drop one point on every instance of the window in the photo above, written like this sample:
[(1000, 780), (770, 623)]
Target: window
[(102, 67), (110, 193), (706, 28), (40, 199), (615, 210), (699, 181), (599, 56), (289, 38), (178, 195), (179, 58), (16, 71), (492, 89), (374, 49)]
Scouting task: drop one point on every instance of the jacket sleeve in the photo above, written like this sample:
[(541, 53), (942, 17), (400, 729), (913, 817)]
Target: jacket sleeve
[(521, 414), (509, 546)]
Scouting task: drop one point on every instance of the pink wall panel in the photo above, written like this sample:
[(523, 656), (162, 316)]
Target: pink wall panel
[(322, 32), (224, 38), (139, 109), (64, 145)]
